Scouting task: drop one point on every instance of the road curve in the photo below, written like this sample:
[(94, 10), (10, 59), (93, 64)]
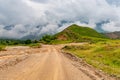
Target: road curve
[(46, 63)]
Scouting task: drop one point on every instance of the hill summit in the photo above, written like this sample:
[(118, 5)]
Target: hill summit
[(75, 32)]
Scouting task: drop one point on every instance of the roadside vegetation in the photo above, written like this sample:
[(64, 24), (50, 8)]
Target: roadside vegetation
[(52, 39), (102, 55), (35, 45), (12, 42), (2, 47)]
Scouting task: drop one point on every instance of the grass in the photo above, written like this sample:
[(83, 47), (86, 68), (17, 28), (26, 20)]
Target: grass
[(32, 45), (102, 55), (14, 42), (60, 41), (35, 45), (2, 47)]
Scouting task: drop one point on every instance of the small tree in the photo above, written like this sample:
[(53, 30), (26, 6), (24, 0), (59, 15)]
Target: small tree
[(35, 41), (28, 41)]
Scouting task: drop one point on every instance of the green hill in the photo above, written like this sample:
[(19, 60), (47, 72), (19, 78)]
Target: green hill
[(75, 33), (79, 33)]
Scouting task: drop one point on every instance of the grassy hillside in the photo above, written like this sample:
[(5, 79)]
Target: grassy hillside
[(75, 33), (102, 55)]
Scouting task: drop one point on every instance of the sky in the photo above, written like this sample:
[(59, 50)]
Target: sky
[(19, 18)]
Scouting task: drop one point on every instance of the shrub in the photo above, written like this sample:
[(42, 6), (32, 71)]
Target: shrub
[(28, 41), (37, 45), (47, 38), (2, 47)]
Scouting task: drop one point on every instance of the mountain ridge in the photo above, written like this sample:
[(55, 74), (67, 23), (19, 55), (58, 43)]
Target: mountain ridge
[(113, 35)]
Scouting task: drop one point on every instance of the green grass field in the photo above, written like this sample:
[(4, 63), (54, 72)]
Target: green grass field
[(102, 55)]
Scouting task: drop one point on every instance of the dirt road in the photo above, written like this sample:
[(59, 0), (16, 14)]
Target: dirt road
[(46, 63)]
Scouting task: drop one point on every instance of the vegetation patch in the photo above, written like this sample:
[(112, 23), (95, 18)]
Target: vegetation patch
[(80, 47), (2, 47), (102, 55), (37, 45), (12, 42)]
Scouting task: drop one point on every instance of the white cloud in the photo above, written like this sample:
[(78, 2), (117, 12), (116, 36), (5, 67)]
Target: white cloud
[(112, 26), (53, 16)]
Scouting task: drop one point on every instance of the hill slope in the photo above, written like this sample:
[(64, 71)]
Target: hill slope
[(113, 35), (78, 33), (74, 33)]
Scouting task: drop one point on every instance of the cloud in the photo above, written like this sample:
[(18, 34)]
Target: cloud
[(114, 2), (37, 17), (41, 1), (112, 26)]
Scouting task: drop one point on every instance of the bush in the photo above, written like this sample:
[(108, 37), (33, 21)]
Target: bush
[(2, 47), (28, 42), (80, 47), (47, 38), (37, 45)]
